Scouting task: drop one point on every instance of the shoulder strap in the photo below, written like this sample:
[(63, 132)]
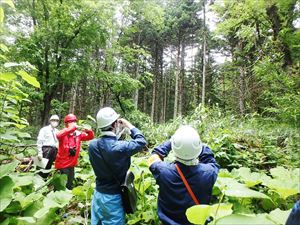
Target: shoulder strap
[(187, 185), (54, 136)]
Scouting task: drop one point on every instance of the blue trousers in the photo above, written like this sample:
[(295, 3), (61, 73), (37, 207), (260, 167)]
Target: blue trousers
[(107, 209)]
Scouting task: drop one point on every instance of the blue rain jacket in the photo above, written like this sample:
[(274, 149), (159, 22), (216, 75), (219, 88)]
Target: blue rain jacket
[(173, 197), (294, 217), (117, 154)]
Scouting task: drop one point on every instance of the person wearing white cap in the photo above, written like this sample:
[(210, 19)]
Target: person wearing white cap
[(47, 142), (186, 182), (110, 159)]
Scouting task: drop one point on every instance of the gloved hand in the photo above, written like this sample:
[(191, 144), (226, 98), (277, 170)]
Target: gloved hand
[(40, 157)]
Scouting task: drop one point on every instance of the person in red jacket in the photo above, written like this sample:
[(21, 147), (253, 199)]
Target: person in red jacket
[(69, 147)]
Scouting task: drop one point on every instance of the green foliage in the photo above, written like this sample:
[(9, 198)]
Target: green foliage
[(199, 213), (6, 192)]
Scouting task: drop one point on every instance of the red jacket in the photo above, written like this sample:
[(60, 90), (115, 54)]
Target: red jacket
[(67, 140)]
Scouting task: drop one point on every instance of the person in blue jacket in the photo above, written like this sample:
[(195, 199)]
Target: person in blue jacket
[(199, 167), (110, 159), (294, 217)]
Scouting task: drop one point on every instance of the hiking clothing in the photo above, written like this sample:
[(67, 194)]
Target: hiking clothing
[(70, 176), (173, 197), (106, 209), (69, 138), (46, 137)]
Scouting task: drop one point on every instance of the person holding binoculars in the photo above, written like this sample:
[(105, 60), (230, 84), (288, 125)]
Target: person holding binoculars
[(69, 147)]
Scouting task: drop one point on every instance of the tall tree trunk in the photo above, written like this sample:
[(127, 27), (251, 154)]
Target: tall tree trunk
[(46, 110), (73, 97), (241, 89), (164, 109), (204, 56), (145, 102), (47, 92), (154, 88), (274, 17), (181, 80), (162, 86), (177, 74), (137, 75)]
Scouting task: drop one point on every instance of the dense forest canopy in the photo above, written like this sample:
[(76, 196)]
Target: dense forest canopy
[(158, 57)]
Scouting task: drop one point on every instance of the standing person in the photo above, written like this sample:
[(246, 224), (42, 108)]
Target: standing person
[(69, 147), (110, 159), (198, 166), (47, 143)]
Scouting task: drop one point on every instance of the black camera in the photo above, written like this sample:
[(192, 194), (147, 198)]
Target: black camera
[(72, 151)]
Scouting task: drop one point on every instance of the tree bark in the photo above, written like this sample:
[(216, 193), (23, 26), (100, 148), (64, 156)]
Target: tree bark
[(73, 97), (274, 17), (154, 88), (177, 74), (204, 56), (181, 80), (241, 88)]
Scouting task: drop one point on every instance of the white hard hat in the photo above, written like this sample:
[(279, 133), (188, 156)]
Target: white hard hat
[(106, 116), (186, 143), (54, 117)]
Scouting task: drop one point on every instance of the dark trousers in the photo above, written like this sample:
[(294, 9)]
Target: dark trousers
[(49, 152), (69, 171)]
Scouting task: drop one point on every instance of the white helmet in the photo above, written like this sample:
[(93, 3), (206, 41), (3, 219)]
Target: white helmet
[(54, 117), (106, 116), (186, 143)]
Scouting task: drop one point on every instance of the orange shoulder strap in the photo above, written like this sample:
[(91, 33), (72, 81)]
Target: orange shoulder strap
[(187, 185)]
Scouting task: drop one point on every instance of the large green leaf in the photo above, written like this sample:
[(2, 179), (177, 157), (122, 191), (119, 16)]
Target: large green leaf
[(250, 179), (52, 201), (59, 181), (7, 76), (235, 189), (28, 78), (279, 172), (29, 199), (8, 168), (47, 218), (278, 216), (33, 208), (8, 135), (1, 15), (22, 179), (6, 192), (285, 183), (26, 220), (236, 219), (199, 213), (62, 198)]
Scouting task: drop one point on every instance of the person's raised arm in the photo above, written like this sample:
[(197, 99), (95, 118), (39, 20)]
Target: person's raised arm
[(65, 131), (160, 152), (138, 140), (87, 135), (207, 157)]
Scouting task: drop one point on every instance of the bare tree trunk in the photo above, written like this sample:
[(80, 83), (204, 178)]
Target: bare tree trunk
[(154, 89), (145, 101), (153, 99), (73, 97), (181, 80), (165, 85), (241, 88), (177, 74), (204, 56), (137, 75)]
